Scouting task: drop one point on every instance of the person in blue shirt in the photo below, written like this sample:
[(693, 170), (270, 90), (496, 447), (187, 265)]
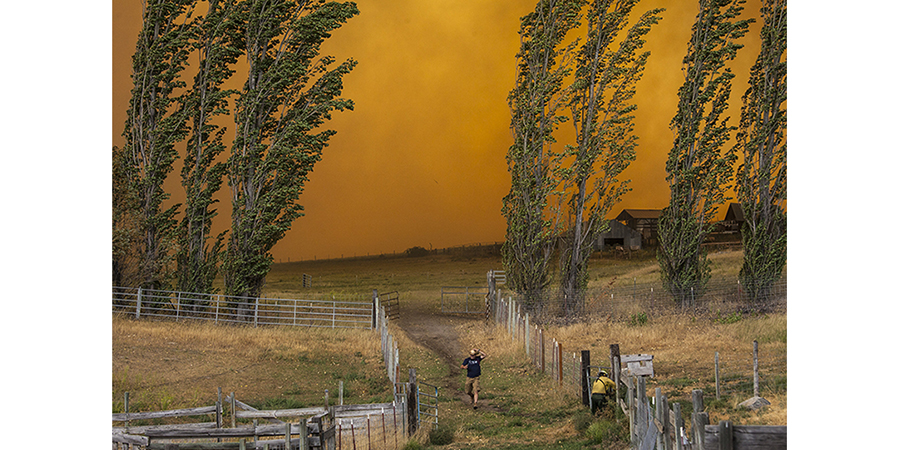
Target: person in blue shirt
[(472, 364)]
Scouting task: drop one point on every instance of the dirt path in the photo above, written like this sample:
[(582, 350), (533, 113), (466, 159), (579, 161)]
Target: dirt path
[(437, 332)]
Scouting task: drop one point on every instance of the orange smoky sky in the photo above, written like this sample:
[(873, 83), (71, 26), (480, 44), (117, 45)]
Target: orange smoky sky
[(421, 159)]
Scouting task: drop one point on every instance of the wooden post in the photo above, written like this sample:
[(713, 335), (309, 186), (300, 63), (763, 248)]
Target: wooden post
[(662, 416), (413, 404), (559, 364), (585, 381), (256, 313), (341, 393), (755, 369), (717, 375), (699, 419), (219, 412), (127, 422), (541, 343), (287, 435), (613, 355), (527, 335), (726, 435), (233, 409), (617, 378), (679, 426)]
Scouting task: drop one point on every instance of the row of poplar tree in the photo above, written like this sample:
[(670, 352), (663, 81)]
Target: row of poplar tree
[(560, 194), (289, 91)]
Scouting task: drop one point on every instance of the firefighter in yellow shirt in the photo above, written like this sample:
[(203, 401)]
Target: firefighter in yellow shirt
[(603, 390)]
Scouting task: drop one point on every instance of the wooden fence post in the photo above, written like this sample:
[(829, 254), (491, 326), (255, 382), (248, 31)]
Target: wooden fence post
[(679, 426), (699, 419), (662, 416), (755, 369), (726, 435), (541, 343), (559, 363), (613, 355), (717, 375), (585, 382)]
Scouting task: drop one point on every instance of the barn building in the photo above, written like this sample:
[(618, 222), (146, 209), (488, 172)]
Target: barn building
[(619, 235), (644, 221)]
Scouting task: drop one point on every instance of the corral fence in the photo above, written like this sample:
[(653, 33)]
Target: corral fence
[(334, 427), (370, 426), (327, 311)]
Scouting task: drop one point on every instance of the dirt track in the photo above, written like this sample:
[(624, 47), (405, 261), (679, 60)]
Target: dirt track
[(438, 333)]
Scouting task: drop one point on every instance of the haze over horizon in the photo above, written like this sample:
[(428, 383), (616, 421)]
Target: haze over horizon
[(421, 159)]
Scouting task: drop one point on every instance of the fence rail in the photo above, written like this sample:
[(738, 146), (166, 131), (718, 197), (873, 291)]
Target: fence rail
[(332, 427), (350, 311)]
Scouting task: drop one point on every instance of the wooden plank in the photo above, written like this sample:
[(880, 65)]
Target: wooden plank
[(130, 439), (143, 428), (278, 413), (758, 437), (122, 417)]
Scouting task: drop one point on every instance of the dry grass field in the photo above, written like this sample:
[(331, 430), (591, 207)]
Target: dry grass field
[(174, 365)]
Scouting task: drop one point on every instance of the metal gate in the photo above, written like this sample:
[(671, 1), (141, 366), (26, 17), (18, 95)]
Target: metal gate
[(427, 399), (465, 300)]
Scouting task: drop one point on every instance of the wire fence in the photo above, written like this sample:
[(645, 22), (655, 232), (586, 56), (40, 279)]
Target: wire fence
[(623, 300), (326, 311), (732, 375)]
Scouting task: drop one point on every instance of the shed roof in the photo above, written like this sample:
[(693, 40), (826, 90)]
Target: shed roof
[(735, 212), (627, 214)]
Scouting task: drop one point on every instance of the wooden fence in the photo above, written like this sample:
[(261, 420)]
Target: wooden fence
[(651, 427), (334, 427)]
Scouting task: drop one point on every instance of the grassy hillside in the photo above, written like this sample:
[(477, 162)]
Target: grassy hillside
[(174, 365)]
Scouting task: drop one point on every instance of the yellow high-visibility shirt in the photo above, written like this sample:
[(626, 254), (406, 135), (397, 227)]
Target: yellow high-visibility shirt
[(603, 385)]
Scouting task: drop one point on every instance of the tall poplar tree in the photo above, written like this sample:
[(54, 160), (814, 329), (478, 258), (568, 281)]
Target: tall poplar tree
[(762, 178), (156, 123), (215, 39), (603, 114), (535, 103), (289, 94), (698, 168)]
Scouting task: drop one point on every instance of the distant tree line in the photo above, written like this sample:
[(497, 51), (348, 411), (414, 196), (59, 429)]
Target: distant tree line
[(289, 92), (559, 195)]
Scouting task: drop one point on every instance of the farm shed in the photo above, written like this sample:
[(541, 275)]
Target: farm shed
[(644, 221), (619, 235), (734, 219)]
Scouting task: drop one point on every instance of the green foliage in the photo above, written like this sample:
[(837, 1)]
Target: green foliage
[(289, 94), (734, 317), (762, 178), (606, 430), (442, 435), (413, 445), (214, 37), (698, 169), (639, 319), (156, 122), (603, 113), (535, 101)]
